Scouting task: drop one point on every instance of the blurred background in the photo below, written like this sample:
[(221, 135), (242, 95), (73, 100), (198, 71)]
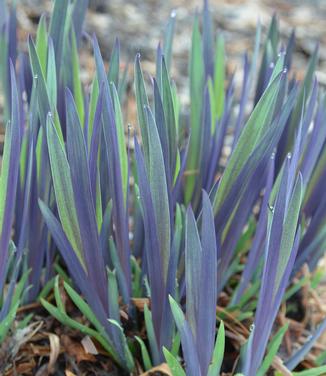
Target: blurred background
[(139, 25)]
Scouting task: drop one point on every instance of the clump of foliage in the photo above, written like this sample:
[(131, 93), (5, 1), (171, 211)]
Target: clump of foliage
[(171, 218)]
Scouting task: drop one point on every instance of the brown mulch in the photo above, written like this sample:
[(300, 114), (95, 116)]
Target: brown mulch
[(46, 347)]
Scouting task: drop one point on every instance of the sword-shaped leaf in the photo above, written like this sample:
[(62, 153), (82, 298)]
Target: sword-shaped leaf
[(57, 30), (218, 354), (114, 67), (51, 76), (173, 363), (272, 350), (42, 43), (257, 125), (158, 185), (76, 81), (282, 243), (9, 176), (152, 246), (187, 340), (63, 189), (43, 97), (142, 103), (303, 95), (114, 167), (196, 74), (193, 255), (84, 203), (78, 16), (168, 40), (296, 358), (169, 115), (145, 356), (208, 44), (123, 156), (206, 324), (219, 76)]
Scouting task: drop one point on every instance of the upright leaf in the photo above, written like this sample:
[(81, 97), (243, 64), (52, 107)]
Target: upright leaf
[(196, 74), (254, 130), (57, 29), (63, 189)]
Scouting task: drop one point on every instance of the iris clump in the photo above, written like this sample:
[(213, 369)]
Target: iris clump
[(121, 216)]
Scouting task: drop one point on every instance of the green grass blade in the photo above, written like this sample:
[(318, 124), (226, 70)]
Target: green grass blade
[(151, 335), (173, 363), (272, 350), (218, 353), (144, 353), (57, 295), (6, 323), (83, 307), (318, 371), (129, 360), (66, 320)]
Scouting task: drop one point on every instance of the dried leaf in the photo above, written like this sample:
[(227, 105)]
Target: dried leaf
[(164, 368), (54, 352), (89, 346), (76, 350)]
